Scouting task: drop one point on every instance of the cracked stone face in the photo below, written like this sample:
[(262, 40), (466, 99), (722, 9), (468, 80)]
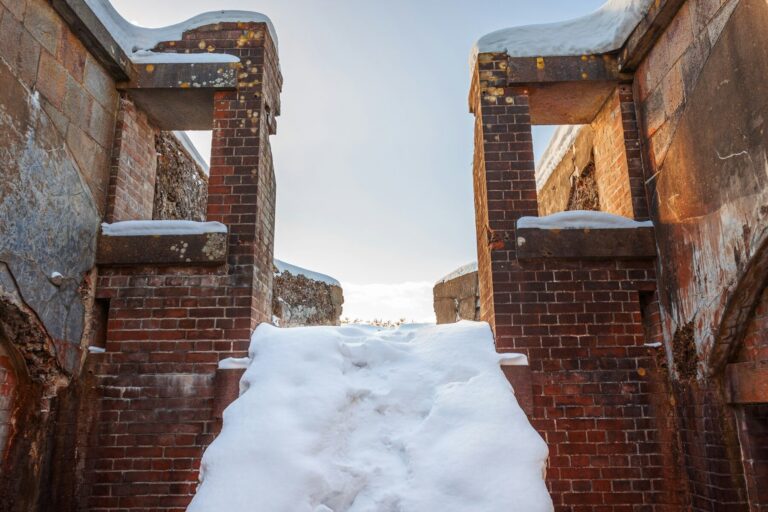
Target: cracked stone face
[(48, 219)]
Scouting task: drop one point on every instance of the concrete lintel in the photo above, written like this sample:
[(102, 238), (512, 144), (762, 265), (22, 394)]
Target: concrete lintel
[(95, 36), (644, 37), (179, 96), (746, 383), (586, 244), (208, 249), (585, 68)]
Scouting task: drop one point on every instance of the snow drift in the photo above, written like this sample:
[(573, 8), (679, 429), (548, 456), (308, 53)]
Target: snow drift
[(360, 419)]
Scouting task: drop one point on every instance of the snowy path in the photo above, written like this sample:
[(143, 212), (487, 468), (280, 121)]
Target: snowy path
[(358, 419)]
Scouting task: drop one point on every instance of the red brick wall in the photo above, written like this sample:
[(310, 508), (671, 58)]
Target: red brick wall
[(595, 385), (133, 166), (752, 420), (169, 327), (618, 164)]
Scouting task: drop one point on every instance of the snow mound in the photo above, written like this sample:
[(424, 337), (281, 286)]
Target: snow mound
[(581, 219), (605, 30), (360, 419), (137, 42), (461, 271), (309, 274), (161, 227), (562, 140)]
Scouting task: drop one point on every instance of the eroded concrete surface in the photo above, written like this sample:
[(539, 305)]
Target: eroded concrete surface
[(711, 196), (50, 221)]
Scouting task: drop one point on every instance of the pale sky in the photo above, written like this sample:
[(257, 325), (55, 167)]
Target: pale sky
[(373, 153)]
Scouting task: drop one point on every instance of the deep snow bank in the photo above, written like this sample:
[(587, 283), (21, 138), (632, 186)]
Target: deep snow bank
[(360, 419)]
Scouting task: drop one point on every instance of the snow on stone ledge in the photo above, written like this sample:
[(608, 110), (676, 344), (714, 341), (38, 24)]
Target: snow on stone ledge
[(362, 419), (137, 42), (562, 140), (161, 227), (461, 271), (605, 30), (309, 274), (234, 363), (581, 219)]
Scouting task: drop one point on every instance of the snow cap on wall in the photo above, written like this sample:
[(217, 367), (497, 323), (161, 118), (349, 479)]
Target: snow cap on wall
[(605, 30), (137, 42)]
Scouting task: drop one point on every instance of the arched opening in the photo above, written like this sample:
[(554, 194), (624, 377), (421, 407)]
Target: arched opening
[(8, 400), (741, 353)]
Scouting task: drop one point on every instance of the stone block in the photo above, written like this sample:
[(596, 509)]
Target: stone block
[(46, 26), (176, 250), (52, 80), (99, 84)]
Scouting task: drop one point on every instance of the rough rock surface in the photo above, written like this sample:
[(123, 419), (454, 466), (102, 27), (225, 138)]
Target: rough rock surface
[(300, 301), (181, 188), (457, 299)]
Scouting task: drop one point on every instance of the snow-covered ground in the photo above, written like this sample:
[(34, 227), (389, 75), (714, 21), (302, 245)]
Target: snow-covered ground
[(360, 419)]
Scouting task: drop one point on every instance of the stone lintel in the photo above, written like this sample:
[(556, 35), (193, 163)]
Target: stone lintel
[(208, 249), (589, 244), (95, 36), (746, 383)]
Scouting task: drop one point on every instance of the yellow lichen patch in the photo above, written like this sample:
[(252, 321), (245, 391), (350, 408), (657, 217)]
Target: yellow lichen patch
[(485, 58), (584, 76), (510, 100), (540, 62), (201, 45), (502, 65), (150, 68), (241, 76), (185, 85), (584, 57), (172, 43), (211, 48), (641, 372), (490, 99)]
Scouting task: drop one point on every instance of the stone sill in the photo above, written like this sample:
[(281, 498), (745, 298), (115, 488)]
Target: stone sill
[(209, 249), (586, 244)]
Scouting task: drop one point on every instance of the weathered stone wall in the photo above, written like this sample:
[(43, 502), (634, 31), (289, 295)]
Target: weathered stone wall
[(701, 96), (457, 299), (554, 195), (181, 186), (300, 301), (57, 114)]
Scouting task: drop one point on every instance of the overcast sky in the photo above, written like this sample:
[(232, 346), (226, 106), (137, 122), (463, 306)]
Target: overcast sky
[(373, 153)]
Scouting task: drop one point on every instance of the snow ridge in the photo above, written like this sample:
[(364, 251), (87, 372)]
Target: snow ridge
[(309, 274), (361, 419), (562, 140), (461, 271)]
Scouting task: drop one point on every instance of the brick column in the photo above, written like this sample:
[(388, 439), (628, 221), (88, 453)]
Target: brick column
[(633, 152), (505, 188), (160, 401)]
